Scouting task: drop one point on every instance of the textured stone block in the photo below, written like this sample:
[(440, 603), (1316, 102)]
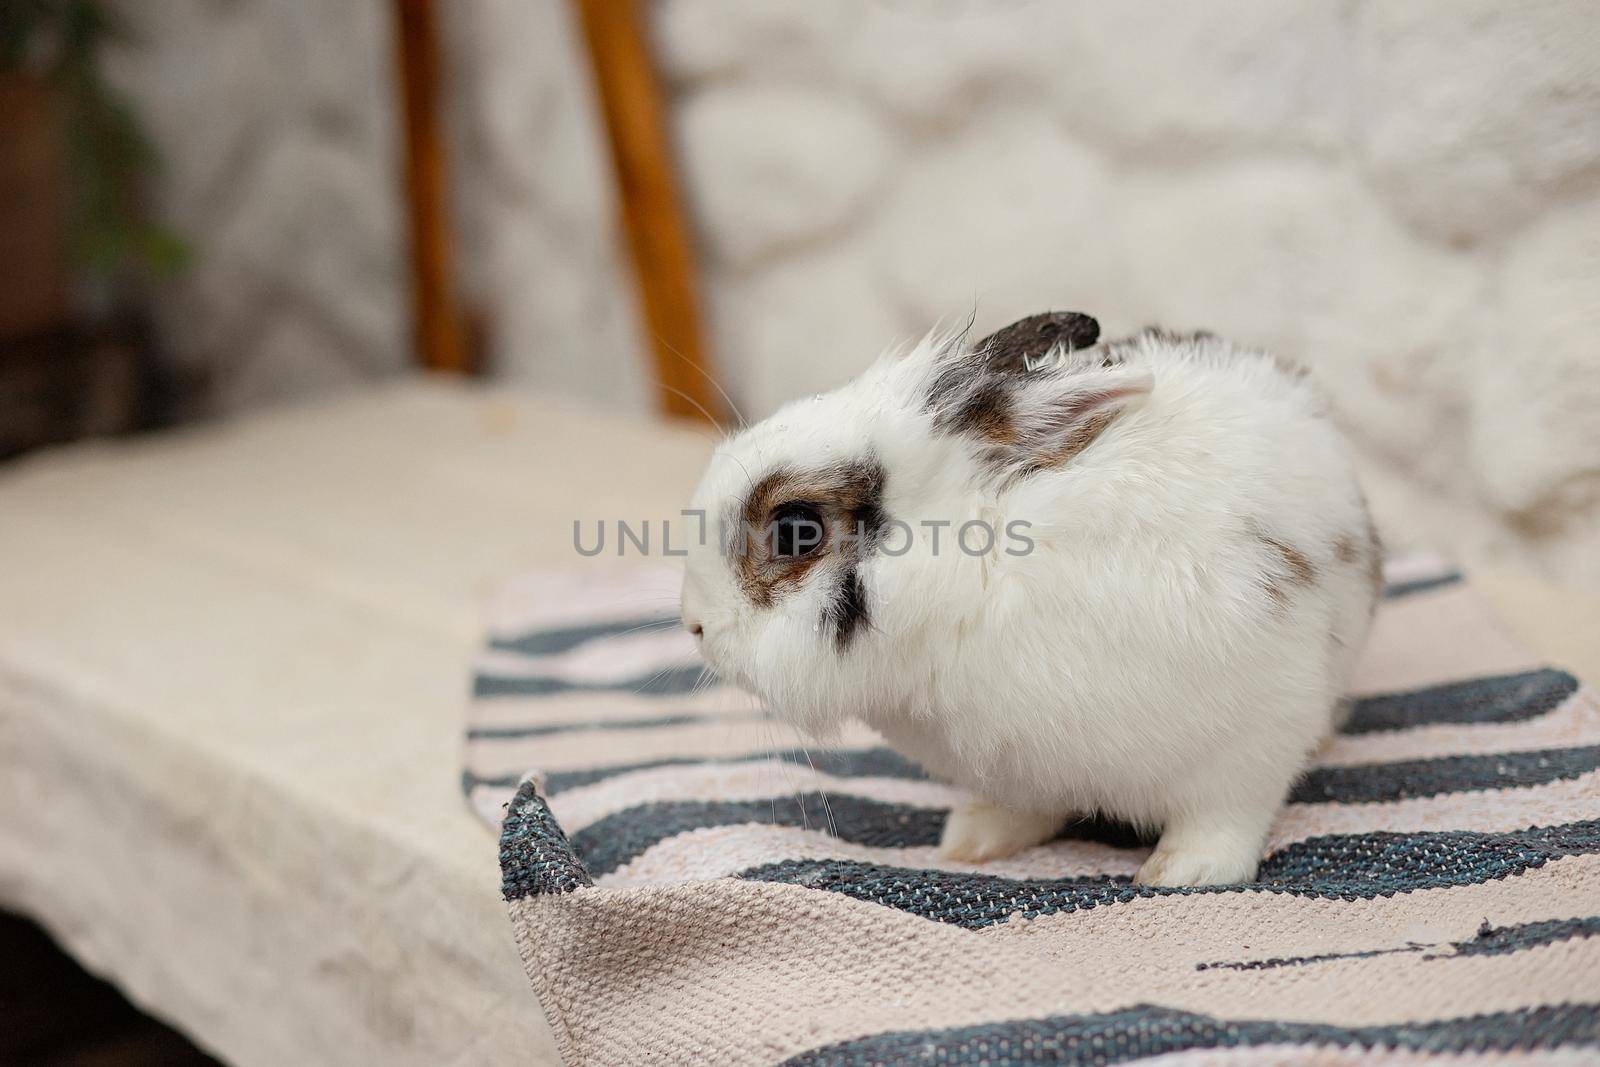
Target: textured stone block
[(566, 319), (1303, 261), (537, 205), (291, 358), (1011, 217), (769, 168), (307, 227), (1476, 112), (802, 325), (936, 64), (699, 41), (525, 104), (1535, 397), (275, 127), (1168, 79)]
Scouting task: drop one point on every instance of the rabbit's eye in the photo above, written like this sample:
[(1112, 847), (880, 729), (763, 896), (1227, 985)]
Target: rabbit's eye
[(796, 530)]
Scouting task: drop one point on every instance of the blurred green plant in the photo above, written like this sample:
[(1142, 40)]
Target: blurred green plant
[(108, 154)]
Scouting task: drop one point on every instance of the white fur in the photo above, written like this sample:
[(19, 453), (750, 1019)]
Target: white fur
[(1133, 664)]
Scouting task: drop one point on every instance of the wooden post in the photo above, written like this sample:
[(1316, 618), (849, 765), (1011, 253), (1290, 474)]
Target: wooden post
[(440, 340), (652, 211)]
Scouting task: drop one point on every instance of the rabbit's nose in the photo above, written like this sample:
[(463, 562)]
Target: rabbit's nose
[(689, 610)]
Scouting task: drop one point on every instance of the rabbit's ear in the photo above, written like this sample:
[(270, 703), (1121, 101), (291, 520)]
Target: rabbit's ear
[(972, 386), (1055, 417), (1028, 342), (1034, 394)]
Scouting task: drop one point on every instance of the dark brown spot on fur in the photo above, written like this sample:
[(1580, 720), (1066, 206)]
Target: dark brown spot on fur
[(849, 498), (970, 394), (1374, 560), (1289, 565), (974, 393), (1018, 346), (761, 574), (1344, 549), (1300, 568), (848, 610), (1280, 599), (984, 413), (954, 375), (981, 394), (1081, 437)]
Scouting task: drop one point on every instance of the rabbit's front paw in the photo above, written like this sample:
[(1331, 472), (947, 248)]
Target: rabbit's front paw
[(978, 831), (1207, 850), (1190, 867)]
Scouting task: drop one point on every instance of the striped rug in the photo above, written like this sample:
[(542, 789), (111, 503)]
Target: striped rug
[(690, 884)]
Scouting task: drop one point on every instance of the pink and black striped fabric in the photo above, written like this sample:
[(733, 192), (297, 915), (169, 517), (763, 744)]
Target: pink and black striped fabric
[(691, 883)]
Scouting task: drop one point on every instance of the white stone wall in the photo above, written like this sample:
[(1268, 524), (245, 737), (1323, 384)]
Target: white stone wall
[(1404, 196), (276, 126), (543, 254)]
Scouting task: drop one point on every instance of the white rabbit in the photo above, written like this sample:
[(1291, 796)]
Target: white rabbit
[(1127, 579)]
